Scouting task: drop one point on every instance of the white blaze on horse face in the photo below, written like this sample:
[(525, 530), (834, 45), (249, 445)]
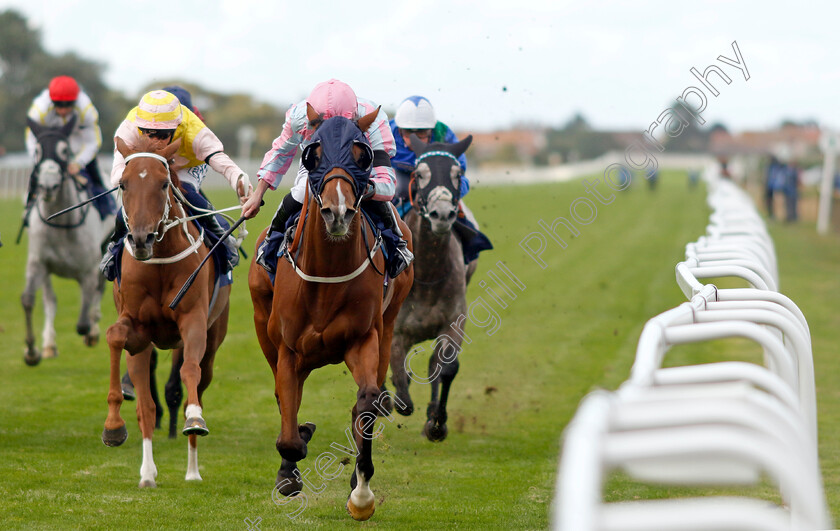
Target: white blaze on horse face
[(148, 470), (143, 174), (342, 203)]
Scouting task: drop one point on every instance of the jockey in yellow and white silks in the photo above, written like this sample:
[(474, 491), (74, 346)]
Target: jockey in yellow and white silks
[(161, 116), (200, 147)]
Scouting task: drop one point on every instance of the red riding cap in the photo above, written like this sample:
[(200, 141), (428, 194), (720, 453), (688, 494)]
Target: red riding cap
[(64, 88)]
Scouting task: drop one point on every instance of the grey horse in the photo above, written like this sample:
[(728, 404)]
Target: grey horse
[(438, 297), (68, 246)]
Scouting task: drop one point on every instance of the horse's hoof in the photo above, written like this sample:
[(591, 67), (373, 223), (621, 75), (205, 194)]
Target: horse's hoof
[(83, 330), (385, 403), (195, 426), (306, 430), (91, 341), (288, 486), (32, 356), (147, 483), (360, 514), (50, 352), (115, 437), (407, 402), (435, 432)]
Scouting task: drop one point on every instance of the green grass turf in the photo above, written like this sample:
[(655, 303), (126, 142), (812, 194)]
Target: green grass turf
[(574, 328)]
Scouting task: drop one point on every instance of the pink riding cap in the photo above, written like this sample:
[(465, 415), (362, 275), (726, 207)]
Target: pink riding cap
[(333, 98)]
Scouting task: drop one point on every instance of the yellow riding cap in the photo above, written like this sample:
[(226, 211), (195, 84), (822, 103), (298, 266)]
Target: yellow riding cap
[(159, 109)]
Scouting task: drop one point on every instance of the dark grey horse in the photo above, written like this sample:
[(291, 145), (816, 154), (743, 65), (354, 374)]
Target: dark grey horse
[(438, 298), (68, 246)]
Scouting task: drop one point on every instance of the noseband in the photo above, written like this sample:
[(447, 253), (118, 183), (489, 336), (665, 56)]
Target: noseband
[(344, 178)]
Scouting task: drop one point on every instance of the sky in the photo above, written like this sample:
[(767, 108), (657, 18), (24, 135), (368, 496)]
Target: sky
[(484, 65)]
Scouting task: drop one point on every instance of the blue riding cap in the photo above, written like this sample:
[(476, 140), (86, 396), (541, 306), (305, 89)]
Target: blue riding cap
[(337, 136)]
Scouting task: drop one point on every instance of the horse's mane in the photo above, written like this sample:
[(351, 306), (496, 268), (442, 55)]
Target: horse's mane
[(146, 144)]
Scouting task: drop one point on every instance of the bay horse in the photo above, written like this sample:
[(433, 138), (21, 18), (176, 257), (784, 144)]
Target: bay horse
[(328, 305), (161, 253), (437, 300), (68, 246)]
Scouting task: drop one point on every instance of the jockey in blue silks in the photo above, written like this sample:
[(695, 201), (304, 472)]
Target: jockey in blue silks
[(415, 115)]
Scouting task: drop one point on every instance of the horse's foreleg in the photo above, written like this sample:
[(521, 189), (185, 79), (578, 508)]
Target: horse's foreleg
[(174, 392), (193, 330), (50, 308), (400, 374), (363, 362), (215, 336), (139, 366), (153, 361), (34, 277), (92, 290), (115, 433), (288, 387), (88, 287), (445, 362)]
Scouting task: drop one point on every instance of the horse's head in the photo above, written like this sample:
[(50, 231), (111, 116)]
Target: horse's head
[(52, 154), (338, 160), (146, 191), (436, 181)]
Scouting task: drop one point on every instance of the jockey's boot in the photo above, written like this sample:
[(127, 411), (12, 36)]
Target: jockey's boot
[(106, 205), (400, 257), (30, 198), (288, 207), (108, 265)]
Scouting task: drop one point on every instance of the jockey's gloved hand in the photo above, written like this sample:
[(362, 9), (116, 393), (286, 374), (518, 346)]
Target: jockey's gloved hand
[(370, 191), (244, 188)]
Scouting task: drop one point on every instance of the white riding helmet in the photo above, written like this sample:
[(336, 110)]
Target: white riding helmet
[(415, 112)]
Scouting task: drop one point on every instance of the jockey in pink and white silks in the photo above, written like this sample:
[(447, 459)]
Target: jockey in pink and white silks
[(330, 98), (162, 117)]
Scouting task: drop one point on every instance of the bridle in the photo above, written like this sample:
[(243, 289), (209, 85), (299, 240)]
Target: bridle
[(62, 166), (420, 202), (371, 250), (345, 178), (164, 222)]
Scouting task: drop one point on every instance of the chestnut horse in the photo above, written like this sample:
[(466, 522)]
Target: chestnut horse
[(328, 305), (161, 253)]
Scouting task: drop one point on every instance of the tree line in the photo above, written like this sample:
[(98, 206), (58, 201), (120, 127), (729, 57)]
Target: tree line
[(26, 69)]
